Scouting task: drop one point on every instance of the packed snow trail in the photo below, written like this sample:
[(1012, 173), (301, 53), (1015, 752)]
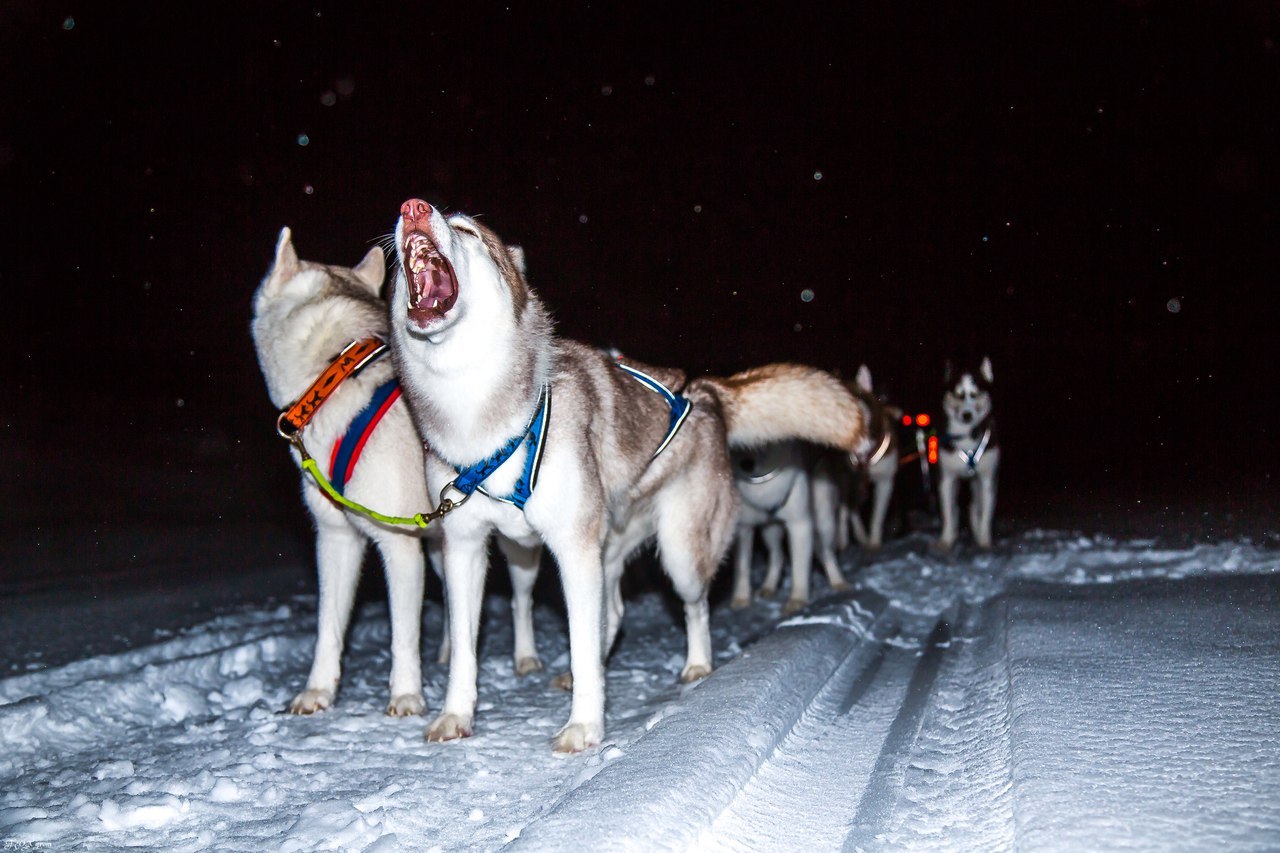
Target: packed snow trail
[(1063, 690)]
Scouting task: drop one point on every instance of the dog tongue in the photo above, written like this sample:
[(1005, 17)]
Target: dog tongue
[(433, 289)]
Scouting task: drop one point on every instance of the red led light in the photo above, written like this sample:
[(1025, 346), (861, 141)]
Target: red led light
[(906, 420), (923, 420), (933, 450)]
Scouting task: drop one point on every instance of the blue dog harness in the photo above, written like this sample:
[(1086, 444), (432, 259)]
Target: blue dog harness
[(470, 477), (346, 451), (680, 406)]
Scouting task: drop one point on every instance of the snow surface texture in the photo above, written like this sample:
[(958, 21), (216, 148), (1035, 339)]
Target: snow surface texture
[(1062, 691)]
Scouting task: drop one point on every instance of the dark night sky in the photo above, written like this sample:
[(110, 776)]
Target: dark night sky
[(949, 179)]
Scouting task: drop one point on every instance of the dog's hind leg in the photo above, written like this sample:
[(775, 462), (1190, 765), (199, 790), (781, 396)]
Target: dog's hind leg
[(772, 536), (339, 552), (826, 525), (800, 538), (403, 564), (742, 567), (522, 563), (691, 548), (465, 564), (879, 509)]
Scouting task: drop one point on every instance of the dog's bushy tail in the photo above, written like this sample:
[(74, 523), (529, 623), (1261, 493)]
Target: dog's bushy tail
[(780, 402)]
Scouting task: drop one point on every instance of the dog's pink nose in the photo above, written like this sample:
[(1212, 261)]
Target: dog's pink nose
[(415, 209)]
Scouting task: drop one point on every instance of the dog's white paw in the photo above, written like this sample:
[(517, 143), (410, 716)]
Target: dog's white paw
[(529, 664), (449, 727), (310, 701), (563, 681), (793, 605), (694, 672), (942, 546), (576, 737), (406, 705), (841, 586), (767, 592), (740, 603)]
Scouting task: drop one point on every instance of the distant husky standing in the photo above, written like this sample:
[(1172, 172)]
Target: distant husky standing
[(777, 483), (304, 315), (968, 451), (881, 468), (542, 437)]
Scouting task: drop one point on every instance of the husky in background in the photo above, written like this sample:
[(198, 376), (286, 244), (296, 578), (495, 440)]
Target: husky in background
[(968, 451), (785, 489), (541, 437), (305, 314), (880, 469)]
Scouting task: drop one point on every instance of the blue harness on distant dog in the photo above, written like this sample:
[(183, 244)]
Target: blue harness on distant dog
[(470, 477)]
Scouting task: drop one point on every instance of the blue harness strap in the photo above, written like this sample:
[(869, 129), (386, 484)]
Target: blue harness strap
[(347, 451), (471, 476), (680, 406)]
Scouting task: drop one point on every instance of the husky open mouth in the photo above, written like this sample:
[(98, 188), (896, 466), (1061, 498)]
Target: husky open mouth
[(433, 286)]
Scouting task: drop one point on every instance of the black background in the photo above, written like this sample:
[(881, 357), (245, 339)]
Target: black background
[(1041, 185)]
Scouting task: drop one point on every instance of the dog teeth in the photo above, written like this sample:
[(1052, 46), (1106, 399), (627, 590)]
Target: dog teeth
[(435, 303), (417, 265)]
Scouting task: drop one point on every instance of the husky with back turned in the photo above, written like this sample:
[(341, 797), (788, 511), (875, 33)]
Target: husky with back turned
[(542, 437), (968, 451), (319, 331)]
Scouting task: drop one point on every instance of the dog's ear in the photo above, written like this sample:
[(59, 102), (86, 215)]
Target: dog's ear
[(864, 378), (946, 371), (517, 258), (372, 270), (285, 266), (987, 375)]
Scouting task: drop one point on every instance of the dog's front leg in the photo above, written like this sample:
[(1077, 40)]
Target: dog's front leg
[(404, 564), (465, 563), (947, 505), (987, 488), (522, 563), (339, 551), (582, 573)]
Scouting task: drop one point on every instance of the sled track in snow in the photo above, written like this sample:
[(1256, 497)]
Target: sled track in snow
[(890, 701)]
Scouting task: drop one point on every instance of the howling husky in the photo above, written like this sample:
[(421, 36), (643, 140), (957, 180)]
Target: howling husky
[(545, 438), (968, 452), (309, 320)]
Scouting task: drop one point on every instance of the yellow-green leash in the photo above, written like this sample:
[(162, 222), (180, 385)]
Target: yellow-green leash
[(419, 520)]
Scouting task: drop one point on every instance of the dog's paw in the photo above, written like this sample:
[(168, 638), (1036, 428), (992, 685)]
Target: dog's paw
[(563, 681), (793, 605), (310, 701), (406, 705), (767, 592), (841, 586), (448, 727), (942, 546), (528, 664), (576, 737), (740, 603), (694, 672)]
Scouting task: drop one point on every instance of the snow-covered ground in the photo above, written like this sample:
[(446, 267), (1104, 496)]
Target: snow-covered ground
[(1064, 691)]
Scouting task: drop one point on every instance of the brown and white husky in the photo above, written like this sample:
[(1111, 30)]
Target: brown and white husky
[(544, 438)]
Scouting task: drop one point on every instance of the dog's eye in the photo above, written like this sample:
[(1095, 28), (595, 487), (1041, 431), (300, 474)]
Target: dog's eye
[(464, 228)]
